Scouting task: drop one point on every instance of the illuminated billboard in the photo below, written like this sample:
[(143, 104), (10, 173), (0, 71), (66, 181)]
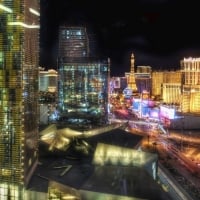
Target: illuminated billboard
[(167, 112), (128, 92), (114, 155)]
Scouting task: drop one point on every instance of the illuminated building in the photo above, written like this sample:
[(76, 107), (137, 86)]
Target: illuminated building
[(167, 86), (83, 80), (191, 99), (171, 87), (48, 87), (73, 42), (131, 75), (43, 80), (19, 47), (190, 68), (114, 84), (48, 80), (172, 76), (157, 80), (117, 84), (144, 69), (143, 79), (171, 93)]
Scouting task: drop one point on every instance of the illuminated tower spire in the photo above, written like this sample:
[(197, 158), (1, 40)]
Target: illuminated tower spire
[(131, 79), (132, 64)]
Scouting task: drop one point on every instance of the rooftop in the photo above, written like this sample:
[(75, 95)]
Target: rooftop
[(79, 171)]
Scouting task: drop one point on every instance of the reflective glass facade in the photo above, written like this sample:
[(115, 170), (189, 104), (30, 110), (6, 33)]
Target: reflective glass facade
[(19, 47), (73, 42), (83, 91), (83, 80)]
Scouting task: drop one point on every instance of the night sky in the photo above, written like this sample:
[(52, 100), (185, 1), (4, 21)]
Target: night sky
[(158, 32)]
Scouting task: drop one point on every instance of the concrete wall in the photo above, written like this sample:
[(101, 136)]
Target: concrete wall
[(186, 122)]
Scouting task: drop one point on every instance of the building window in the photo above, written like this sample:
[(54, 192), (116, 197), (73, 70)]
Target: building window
[(10, 41), (1, 60), (16, 60)]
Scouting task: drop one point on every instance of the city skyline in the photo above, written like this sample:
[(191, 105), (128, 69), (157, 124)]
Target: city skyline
[(159, 33), (61, 132)]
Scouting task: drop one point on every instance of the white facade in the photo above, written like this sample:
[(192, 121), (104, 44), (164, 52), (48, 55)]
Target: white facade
[(48, 80)]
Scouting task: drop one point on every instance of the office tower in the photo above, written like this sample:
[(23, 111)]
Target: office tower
[(190, 68), (19, 46), (83, 80)]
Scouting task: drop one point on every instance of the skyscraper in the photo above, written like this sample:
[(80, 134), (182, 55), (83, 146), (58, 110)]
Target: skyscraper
[(73, 42), (190, 68), (19, 47), (83, 80)]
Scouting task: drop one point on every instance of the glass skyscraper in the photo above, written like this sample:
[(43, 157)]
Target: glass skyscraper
[(73, 42), (19, 48), (83, 80)]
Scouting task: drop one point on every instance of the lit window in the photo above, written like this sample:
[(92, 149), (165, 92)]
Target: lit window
[(29, 162)]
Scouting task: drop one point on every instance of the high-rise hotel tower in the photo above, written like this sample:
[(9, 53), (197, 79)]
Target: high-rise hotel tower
[(83, 80), (73, 42), (19, 47), (190, 68)]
